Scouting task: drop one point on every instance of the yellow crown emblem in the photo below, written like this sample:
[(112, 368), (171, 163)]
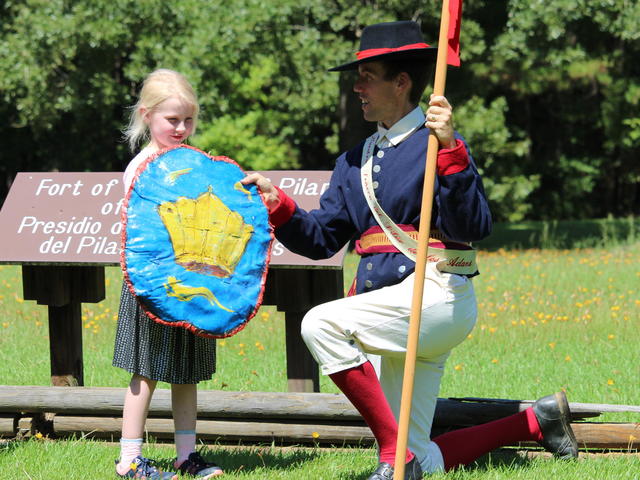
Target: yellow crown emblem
[(206, 235)]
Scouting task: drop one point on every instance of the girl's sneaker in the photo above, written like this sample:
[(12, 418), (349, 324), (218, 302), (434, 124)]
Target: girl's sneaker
[(196, 466), (143, 469)]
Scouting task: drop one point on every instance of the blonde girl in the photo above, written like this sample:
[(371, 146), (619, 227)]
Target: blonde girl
[(165, 115)]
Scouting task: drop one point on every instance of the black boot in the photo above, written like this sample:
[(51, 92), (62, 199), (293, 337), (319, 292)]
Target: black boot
[(412, 471), (554, 417)]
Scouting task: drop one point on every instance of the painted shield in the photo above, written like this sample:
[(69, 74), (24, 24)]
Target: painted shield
[(196, 242)]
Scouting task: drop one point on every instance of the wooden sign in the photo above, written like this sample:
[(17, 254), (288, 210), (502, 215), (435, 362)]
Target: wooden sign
[(74, 218)]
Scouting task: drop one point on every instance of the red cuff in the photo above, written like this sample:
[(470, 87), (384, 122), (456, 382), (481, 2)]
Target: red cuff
[(282, 212), (453, 160)]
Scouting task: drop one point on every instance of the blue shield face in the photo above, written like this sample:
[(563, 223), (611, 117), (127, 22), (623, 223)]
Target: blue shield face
[(196, 242)]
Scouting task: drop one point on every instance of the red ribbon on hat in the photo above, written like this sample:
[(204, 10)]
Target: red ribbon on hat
[(372, 52)]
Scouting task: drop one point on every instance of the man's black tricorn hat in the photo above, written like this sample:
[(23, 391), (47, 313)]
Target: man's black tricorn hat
[(390, 41)]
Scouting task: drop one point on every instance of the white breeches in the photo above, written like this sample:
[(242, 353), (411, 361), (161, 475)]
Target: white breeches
[(340, 334)]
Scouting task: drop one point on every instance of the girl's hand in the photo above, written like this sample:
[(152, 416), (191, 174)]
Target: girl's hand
[(440, 121), (267, 190)]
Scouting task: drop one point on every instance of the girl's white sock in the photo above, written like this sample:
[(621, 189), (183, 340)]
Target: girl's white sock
[(130, 448), (185, 445)]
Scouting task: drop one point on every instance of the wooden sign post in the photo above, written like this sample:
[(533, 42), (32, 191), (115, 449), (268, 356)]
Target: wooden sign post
[(64, 228)]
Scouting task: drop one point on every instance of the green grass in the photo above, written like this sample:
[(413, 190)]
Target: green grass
[(553, 319), (35, 459), (548, 319), (563, 234), (86, 459)]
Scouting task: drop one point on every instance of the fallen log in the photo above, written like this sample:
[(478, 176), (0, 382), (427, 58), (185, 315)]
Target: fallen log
[(582, 409), (620, 436), (259, 405), (221, 431), (218, 403), (8, 425), (624, 436), (271, 417)]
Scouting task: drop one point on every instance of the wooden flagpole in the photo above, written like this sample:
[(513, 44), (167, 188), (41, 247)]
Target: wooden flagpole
[(421, 257)]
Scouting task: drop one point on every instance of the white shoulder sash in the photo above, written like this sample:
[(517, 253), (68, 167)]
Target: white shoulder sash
[(403, 242), (448, 260)]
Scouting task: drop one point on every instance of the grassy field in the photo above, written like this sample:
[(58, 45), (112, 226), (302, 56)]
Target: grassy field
[(563, 234), (84, 459), (548, 319)]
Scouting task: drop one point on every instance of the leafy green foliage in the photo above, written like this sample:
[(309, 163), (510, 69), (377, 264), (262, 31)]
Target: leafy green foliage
[(491, 141), (567, 68), (547, 95)]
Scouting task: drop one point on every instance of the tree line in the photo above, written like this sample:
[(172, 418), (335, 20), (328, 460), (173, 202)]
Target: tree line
[(547, 95)]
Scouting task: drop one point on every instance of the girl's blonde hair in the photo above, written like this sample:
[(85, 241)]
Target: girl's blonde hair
[(158, 87)]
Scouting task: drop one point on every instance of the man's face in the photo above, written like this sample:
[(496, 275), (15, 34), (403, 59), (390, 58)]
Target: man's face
[(380, 99)]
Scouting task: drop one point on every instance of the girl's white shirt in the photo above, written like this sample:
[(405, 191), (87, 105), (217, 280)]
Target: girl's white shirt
[(130, 171)]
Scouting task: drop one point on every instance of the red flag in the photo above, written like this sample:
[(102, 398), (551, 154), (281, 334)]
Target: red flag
[(455, 18)]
